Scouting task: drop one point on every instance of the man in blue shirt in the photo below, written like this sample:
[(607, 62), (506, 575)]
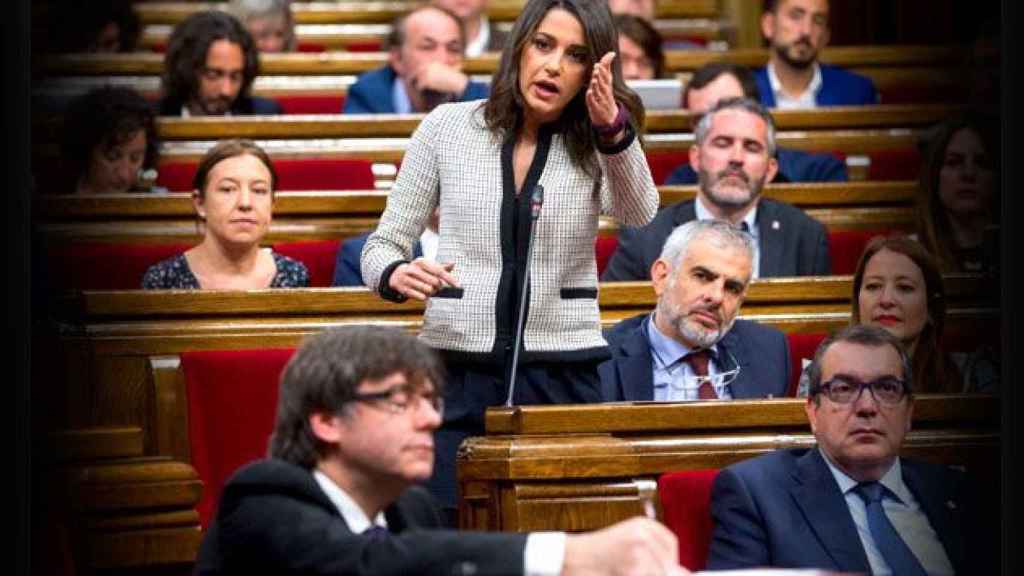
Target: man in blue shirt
[(797, 30), (424, 68)]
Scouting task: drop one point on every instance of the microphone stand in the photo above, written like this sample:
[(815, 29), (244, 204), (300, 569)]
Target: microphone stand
[(536, 201)]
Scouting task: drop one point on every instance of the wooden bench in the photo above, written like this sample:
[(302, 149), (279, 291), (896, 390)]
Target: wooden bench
[(321, 215), (578, 468), (121, 403), (386, 11)]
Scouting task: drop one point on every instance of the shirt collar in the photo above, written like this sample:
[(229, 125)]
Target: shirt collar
[(751, 217), (776, 84), (668, 350), (479, 46), (892, 479), (350, 511), (399, 97)]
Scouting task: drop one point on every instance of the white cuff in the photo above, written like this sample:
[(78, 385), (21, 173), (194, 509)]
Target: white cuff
[(544, 554)]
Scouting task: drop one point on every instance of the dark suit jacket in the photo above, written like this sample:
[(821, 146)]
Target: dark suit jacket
[(273, 518), (784, 509), (244, 106), (346, 267), (371, 94), (762, 353), (794, 166), (791, 242), (838, 88)]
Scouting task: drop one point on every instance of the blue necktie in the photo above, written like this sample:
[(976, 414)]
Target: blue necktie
[(375, 533), (895, 551)]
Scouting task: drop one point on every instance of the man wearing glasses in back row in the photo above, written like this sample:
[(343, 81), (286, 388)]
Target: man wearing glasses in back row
[(852, 504), (692, 347)]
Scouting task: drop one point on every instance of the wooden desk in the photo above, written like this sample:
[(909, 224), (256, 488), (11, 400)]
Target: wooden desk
[(326, 215), (577, 468)]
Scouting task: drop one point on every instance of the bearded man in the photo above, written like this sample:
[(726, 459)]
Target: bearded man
[(734, 155), (692, 347), (797, 31)]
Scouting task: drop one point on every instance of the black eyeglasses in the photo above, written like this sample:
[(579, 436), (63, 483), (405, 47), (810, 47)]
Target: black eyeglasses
[(887, 390), (402, 398)]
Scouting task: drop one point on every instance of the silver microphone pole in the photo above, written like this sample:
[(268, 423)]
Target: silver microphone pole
[(536, 201)]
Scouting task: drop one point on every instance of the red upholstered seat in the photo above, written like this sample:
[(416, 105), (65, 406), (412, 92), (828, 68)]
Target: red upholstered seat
[(318, 256), (801, 346), (663, 163), (898, 164), (101, 266), (292, 174), (604, 247), (312, 103), (232, 398), (686, 505), (846, 246), (309, 46)]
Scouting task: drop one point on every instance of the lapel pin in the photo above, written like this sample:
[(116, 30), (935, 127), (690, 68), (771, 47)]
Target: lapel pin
[(775, 225), (951, 505)]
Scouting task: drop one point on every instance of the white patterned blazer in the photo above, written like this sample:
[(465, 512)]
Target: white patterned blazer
[(454, 161)]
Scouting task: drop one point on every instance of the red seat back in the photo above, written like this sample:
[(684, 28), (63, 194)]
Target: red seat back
[(318, 256), (102, 266), (604, 247), (292, 174), (232, 399), (896, 164), (846, 246), (801, 347), (686, 506), (663, 163), (312, 103)]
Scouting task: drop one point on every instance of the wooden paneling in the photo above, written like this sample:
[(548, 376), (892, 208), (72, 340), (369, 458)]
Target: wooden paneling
[(583, 467), (863, 58), (327, 215)]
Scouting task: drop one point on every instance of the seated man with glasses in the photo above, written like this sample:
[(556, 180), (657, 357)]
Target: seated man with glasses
[(692, 347), (357, 408), (851, 504)]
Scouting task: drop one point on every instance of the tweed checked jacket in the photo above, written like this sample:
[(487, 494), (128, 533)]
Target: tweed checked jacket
[(454, 161)]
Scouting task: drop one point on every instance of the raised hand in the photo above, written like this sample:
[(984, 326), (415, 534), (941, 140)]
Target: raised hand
[(601, 104)]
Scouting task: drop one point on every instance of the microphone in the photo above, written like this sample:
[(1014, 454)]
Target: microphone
[(536, 202)]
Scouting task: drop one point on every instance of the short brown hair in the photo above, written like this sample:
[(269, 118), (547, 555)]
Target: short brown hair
[(325, 373), (229, 149), (645, 36)]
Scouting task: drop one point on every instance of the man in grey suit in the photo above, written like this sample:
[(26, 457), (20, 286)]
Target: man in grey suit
[(692, 347), (734, 157)]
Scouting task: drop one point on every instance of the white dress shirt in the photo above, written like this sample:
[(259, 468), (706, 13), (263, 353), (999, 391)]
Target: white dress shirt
[(479, 45), (783, 101), (674, 379), (542, 556), (906, 516), (750, 220)]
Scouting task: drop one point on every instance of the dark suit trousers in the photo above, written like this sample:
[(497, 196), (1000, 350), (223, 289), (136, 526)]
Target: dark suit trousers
[(471, 388)]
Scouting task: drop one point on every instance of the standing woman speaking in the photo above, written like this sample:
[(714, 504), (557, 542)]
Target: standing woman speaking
[(561, 118)]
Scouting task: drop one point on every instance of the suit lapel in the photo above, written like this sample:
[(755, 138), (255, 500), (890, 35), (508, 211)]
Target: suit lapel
[(684, 212), (635, 372), (770, 230), (817, 495), (941, 508)]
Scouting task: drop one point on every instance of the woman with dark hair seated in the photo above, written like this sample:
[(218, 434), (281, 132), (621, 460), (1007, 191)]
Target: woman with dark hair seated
[(109, 140), (233, 196), (640, 48), (958, 195), (898, 286)]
